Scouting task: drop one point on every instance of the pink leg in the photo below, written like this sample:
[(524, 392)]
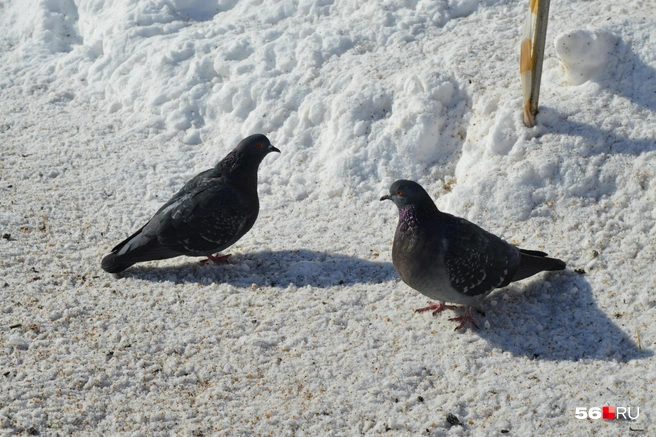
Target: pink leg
[(216, 259), (436, 307), (466, 317)]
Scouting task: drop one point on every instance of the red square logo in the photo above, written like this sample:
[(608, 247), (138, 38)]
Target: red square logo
[(608, 413)]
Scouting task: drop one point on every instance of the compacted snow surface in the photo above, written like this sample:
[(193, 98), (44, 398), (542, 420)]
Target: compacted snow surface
[(108, 106)]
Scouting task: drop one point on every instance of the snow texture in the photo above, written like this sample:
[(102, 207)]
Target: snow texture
[(109, 106)]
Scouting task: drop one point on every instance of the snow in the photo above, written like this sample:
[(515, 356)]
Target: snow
[(109, 106), (584, 53)]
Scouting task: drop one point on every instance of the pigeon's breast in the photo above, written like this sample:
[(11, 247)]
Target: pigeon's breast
[(419, 261)]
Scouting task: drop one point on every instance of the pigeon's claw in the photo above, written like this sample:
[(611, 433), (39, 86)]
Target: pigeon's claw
[(216, 259), (466, 317), (436, 307)]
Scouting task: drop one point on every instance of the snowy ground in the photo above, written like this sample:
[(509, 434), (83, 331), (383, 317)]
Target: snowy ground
[(108, 107)]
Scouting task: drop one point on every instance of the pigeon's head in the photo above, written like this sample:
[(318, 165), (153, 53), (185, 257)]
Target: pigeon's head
[(246, 157), (404, 192), (256, 147)]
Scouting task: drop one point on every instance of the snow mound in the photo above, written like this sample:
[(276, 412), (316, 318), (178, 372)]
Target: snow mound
[(584, 53)]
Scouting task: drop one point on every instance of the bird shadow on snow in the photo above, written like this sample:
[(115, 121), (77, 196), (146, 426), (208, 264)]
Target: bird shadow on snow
[(560, 322), (274, 268)]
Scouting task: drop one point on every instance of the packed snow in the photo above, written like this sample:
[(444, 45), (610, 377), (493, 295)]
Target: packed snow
[(108, 106)]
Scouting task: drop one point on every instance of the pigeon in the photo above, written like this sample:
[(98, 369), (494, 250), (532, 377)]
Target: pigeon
[(209, 214), (450, 259)]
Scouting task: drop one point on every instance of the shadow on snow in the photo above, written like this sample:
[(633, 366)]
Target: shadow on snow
[(274, 268), (556, 320), (560, 323), (626, 76)]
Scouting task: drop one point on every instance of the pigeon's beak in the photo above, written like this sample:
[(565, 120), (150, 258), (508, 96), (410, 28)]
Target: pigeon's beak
[(273, 149), (386, 197)]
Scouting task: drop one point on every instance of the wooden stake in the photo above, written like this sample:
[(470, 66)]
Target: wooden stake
[(531, 56)]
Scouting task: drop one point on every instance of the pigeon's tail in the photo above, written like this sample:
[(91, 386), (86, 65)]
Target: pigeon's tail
[(115, 263), (136, 248), (119, 258), (533, 261)]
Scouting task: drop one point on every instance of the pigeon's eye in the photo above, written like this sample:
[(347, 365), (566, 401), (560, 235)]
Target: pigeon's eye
[(399, 192), (258, 145)]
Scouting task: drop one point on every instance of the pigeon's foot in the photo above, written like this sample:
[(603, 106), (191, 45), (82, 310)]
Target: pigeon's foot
[(436, 307), (466, 317), (216, 259)]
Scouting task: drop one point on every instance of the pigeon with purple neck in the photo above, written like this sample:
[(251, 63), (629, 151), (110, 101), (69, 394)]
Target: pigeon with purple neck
[(452, 260)]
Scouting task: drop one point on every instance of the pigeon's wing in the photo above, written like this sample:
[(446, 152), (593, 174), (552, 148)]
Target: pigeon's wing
[(190, 187), (207, 219), (477, 261)]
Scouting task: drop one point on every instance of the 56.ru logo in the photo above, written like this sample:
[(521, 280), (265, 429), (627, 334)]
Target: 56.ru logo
[(608, 413)]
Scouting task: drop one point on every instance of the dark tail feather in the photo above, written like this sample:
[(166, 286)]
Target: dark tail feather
[(140, 249), (532, 262), (114, 263), (532, 252)]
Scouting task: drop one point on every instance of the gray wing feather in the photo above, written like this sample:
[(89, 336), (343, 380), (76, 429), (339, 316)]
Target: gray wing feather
[(477, 261), (206, 220)]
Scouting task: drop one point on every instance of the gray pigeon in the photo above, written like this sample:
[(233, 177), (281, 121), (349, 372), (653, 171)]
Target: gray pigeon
[(450, 259), (209, 214)]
